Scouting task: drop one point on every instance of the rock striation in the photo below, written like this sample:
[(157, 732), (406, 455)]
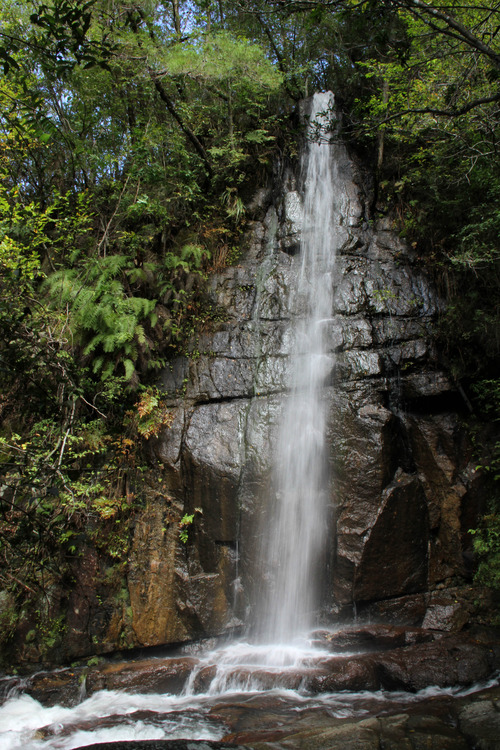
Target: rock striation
[(403, 486)]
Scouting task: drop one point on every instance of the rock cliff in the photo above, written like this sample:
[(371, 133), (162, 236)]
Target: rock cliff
[(403, 487)]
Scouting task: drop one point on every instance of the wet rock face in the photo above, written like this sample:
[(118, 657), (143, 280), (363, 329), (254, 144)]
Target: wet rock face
[(402, 507), (433, 724), (359, 658), (401, 476), (402, 482)]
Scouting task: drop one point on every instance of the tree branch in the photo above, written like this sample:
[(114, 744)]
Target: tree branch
[(198, 146), (444, 112), (462, 31), (415, 7)]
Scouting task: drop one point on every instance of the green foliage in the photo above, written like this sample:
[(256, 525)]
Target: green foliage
[(487, 394), (30, 232), (150, 414), (105, 320), (487, 549), (221, 58), (8, 616), (185, 523), (66, 485), (486, 537), (60, 29), (157, 148), (50, 630)]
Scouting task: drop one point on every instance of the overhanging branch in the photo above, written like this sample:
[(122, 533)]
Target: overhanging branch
[(192, 137), (443, 112)]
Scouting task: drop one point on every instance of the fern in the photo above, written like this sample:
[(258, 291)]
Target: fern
[(129, 368), (105, 319)]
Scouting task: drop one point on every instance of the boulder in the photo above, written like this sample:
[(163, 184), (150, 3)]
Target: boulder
[(446, 662)]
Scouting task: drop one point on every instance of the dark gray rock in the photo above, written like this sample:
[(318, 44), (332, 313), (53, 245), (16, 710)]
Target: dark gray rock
[(403, 521), (444, 663), (479, 721)]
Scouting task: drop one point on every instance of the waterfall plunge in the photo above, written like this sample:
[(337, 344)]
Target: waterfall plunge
[(294, 539)]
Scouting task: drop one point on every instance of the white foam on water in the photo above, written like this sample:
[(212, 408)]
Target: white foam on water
[(26, 725), (247, 667), (24, 721), (281, 655)]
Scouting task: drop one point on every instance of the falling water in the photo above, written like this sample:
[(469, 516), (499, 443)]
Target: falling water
[(295, 535)]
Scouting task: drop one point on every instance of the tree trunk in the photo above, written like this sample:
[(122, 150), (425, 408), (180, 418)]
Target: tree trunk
[(381, 133), (177, 18)]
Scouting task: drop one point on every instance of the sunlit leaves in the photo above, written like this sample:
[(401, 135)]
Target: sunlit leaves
[(104, 318), (223, 58), (150, 414)]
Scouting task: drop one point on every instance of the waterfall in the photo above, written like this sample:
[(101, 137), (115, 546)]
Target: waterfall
[(284, 690), (295, 533)]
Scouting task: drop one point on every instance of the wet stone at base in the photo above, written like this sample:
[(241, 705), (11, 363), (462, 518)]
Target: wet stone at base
[(165, 745)]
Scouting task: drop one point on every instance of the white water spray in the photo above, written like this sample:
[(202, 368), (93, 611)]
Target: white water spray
[(294, 539)]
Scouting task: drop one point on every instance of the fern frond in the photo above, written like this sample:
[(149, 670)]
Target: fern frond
[(140, 334), (129, 368)]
